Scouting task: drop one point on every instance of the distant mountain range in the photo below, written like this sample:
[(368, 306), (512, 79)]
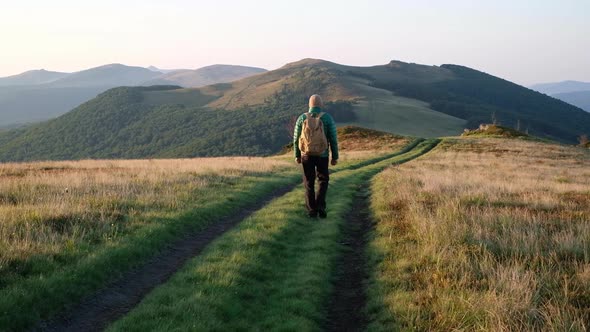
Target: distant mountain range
[(561, 87), (572, 92), (203, 76), (251, 116), (576, 98), (38, 95), (32, 77)]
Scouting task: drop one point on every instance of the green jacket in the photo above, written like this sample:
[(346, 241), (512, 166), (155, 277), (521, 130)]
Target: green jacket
[(329, 130)]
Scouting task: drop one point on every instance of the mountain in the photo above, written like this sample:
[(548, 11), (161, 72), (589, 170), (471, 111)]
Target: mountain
[(561, 87), (108, 75), (32, 77), (580, 99), (204, 76), (22, 104), (40, 95), (252, 116)]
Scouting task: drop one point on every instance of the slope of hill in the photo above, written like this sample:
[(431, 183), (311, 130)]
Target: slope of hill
[(580, 99), (204, 76), (249, 116), (561, 87), (32, 77), (121, 123), (413, 99), (372, 107), (480, 98), (25, 104)]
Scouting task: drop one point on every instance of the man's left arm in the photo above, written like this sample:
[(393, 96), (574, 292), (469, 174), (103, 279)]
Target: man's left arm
[(296, 135)]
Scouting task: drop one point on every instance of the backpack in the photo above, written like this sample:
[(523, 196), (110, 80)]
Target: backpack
[(313, 141)]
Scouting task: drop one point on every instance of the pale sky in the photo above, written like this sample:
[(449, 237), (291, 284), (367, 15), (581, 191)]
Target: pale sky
[(524, 41)]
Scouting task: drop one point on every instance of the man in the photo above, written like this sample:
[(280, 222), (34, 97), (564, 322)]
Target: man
[(315, 162)]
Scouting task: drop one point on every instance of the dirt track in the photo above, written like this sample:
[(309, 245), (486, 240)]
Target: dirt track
[(346, 308), (97, 311)]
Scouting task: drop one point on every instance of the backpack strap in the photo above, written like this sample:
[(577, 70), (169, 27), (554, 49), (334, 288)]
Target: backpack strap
[(309, 114)]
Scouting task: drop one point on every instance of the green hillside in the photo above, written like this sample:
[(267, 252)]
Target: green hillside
[(125, 123), (251, 116), (39, 95), (480, 98)]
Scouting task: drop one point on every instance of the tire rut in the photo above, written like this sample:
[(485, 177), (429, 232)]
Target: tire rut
[(349, 297), (346, 308), (98, 310)]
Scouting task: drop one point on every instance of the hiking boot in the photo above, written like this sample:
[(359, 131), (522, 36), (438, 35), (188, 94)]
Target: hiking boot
[(322, 214)]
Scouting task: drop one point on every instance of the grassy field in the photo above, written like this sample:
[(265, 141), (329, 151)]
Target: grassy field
[(272, 272), (406, 117), (483, 234), (479, 234), (381, 110), (68, 227)]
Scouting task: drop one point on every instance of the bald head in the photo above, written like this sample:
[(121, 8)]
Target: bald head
[(316, 101)]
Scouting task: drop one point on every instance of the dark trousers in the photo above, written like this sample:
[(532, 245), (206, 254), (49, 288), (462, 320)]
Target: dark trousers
[(315, 166)]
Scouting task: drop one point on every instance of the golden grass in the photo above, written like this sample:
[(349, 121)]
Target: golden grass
[(487, 234), (49, 208)]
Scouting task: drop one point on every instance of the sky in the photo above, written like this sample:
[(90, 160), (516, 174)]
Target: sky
[(523, 41)]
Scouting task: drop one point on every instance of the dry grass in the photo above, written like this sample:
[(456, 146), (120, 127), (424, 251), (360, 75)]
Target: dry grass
[(50, 209), (485, 234)]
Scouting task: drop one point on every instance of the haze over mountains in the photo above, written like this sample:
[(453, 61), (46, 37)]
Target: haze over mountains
[(39, 94), (561, 87), (32, 77), (250, 116), (572, 92)]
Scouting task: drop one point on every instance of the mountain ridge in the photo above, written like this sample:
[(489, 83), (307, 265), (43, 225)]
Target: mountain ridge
[(58, 93), (32, 77), (250, 116)]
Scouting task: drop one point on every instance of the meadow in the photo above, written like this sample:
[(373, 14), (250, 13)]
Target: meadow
[(483, 234), (100, 217), (68, 228), (471, 233), (405, 116)]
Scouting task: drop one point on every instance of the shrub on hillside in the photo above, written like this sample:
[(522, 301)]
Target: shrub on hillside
[(494, 130)]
